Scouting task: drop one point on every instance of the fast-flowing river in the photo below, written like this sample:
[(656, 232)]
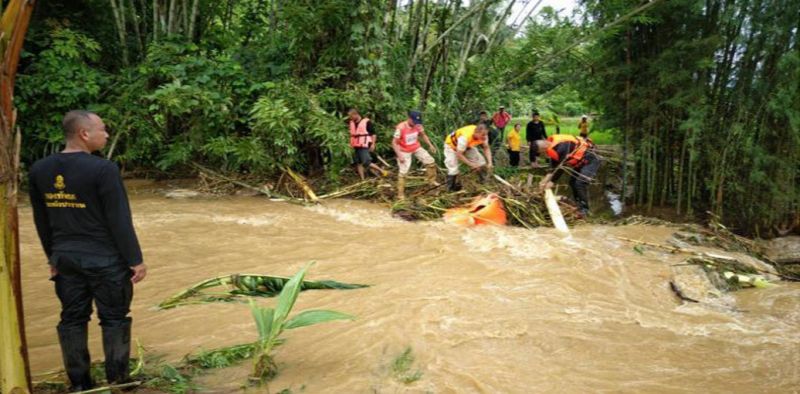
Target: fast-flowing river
[(487, 310)]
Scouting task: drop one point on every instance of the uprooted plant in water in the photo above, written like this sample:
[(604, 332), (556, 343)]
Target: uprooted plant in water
[(271, 322)]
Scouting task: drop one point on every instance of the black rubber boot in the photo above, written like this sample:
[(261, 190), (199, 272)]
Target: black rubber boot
[(75, 353), (482, 175), (452, 183), (117, 348)]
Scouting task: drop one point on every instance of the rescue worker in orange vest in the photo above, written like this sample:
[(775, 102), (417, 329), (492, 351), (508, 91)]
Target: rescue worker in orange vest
[(578, 155), (363, 140), (460, 146), (406, 146)]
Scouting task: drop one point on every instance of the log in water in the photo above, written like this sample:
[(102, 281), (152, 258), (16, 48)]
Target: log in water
[(496, 309)]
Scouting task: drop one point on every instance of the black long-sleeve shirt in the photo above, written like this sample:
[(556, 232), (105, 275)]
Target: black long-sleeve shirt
[(80, 205), (563, 149), (535, 131)]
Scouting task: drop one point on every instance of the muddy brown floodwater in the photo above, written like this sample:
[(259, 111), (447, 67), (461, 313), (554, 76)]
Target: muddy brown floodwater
[(488, 310)]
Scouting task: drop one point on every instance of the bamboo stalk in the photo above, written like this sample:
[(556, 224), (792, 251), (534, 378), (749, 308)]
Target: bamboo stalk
[(555, 213), (303, 184)]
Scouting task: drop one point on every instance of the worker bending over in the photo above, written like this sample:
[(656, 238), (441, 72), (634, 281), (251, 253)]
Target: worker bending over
[(576, 154), (460, 147), (406, 145)]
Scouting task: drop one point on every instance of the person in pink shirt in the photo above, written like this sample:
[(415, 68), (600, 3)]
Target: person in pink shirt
[(406, 146), (500, 119)]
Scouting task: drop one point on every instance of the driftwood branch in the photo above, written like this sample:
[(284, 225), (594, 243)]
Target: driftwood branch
[(303, 185), (706, 255), (262, 190)]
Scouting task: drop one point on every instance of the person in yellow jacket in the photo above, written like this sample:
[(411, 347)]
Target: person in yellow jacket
[(583, 126), (460, 147), (513, 144)]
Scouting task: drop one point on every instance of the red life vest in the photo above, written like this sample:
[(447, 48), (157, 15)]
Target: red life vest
[(359, 136), (409, 136), (577, 157)]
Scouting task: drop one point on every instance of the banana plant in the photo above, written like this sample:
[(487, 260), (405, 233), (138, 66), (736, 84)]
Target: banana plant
[(272, 322)]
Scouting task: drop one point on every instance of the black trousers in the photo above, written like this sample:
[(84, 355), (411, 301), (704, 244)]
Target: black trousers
[(362, 156), (81, 280), (495, 136), (580, 182), (513, 158), (533, 152)]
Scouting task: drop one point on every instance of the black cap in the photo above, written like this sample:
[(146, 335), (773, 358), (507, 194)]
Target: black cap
[(416, 116), (534, 113)]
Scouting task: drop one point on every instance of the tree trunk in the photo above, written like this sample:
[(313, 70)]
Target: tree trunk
[(429, 79), (119, 19), (139, 39), (465, 50), (14, 367), (171, 17), (193, 20), (391, 26), (155, 20), (185, 15), (501, 21)]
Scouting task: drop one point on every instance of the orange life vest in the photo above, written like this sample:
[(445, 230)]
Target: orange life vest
[(578, 156), (359, 136), (468, 133), (409, 136)]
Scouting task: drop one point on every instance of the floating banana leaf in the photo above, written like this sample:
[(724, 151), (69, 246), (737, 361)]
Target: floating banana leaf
[(252, 285)]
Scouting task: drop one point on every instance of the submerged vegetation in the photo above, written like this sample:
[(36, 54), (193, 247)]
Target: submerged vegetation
[(402, 367), (244, 285), (272, 322), (152, 372)]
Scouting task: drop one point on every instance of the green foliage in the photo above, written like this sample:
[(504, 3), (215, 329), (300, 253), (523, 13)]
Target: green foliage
[(266, 85), (271, 323), (172, 380), (402, 367), (61, 79), (221, 358), (703, 99)]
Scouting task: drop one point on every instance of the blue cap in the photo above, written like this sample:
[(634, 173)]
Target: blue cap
[(416, 116)]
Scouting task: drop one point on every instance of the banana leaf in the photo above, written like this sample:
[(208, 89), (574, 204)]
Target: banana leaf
[(231, 287)]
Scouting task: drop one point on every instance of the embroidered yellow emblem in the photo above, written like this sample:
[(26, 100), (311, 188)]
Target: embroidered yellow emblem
[(60, 183)]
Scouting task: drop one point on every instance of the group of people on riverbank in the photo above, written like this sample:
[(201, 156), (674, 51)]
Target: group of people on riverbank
[(475, 146), (84, 222)]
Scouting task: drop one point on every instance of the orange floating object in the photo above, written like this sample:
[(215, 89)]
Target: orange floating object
[(484, 210)]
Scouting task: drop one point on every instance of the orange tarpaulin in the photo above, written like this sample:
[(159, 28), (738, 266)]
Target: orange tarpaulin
[(483, 210)]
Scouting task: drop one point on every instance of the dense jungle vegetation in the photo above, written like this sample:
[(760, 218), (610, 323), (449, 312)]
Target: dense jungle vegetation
[(703, 96)]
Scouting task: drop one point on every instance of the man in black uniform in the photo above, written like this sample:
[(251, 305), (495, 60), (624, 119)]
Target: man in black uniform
[(84, 222), (534, 131)]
